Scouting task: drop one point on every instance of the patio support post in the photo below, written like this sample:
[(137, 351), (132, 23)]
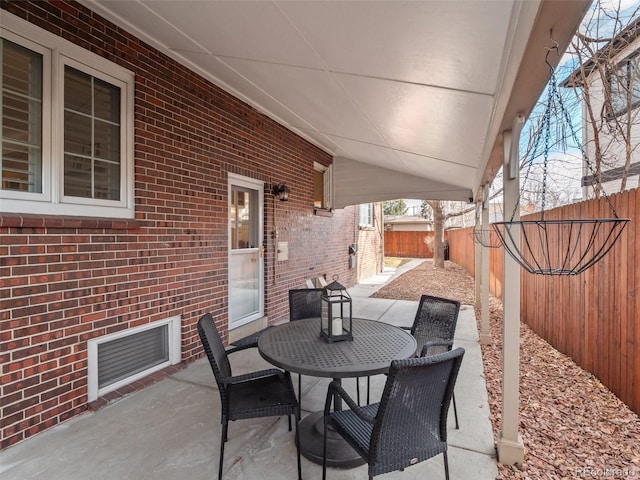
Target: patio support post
[(510, 445), (485, 332), (478, 260)]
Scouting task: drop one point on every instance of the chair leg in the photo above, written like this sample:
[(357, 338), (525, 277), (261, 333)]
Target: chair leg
[(358, 390), (299, 396), (223, 439), (289, 417), (446, 465), (368, 389), (455, 410)]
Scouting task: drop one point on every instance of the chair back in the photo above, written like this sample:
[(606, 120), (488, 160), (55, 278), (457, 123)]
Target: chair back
[(435, 319), (212, 344), (305, 303), (411, 423)]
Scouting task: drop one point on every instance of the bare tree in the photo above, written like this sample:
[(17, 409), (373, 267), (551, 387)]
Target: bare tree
[(440, 212), (606, 80)]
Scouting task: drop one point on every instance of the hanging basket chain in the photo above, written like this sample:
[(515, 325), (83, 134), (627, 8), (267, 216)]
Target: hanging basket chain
[(564, 246)]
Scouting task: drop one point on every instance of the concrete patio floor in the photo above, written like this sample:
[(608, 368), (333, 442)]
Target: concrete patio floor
[(171, 430)]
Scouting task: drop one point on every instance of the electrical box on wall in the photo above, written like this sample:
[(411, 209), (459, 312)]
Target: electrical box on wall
[(283, 251)]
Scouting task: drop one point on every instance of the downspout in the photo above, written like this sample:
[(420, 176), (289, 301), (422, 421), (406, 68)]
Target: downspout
[(510, 445)]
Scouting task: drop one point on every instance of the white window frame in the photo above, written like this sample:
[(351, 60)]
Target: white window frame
[(175, 355), (57, 53), (625, 76), (327, 185), (366, 215)]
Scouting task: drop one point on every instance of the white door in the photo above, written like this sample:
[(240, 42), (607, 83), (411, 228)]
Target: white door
[(246, 265)]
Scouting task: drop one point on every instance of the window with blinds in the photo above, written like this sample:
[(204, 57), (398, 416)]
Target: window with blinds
[(66, 129), (21, 118)]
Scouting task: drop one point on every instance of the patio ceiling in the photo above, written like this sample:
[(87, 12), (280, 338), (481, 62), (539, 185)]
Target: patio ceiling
[(410, 98)]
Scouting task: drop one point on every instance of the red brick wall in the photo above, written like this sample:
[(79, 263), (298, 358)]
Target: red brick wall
[(67, 280), (370, 245)]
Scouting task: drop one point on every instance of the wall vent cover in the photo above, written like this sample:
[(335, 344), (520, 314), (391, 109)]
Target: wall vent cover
[(126, 356), (121, 358)]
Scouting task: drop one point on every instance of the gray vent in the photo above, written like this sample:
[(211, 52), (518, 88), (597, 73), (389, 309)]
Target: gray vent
[(126, 356)]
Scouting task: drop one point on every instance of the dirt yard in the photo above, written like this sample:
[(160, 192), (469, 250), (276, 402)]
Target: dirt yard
[(572, 425)]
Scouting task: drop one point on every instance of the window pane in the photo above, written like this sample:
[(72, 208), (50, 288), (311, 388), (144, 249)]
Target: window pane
[(77, 91), (107, 180), (318, 189), (625, 86), (21, 118), (91, 137), (77, 133), (107, 141), (77, 176), (107, 101), (244, 205)]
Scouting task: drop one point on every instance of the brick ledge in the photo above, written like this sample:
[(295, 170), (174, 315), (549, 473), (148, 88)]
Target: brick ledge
[(45, 221)]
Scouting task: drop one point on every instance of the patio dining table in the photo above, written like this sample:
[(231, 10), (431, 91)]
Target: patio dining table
[(298, 347)]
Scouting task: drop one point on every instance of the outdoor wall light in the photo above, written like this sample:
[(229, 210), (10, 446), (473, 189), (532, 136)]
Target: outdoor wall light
[(282, 191)]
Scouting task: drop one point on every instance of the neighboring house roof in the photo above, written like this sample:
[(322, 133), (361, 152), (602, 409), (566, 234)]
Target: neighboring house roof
[(613, 48)]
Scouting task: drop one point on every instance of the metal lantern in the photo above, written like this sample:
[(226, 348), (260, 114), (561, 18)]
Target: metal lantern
[(335, 319)]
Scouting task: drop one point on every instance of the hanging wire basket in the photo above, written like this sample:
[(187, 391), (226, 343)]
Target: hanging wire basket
[(558, 246), (486, 238)]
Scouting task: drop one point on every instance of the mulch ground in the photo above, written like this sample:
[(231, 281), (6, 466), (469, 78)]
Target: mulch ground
[(572, 426)]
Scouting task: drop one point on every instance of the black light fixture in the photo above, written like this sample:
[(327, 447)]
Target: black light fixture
[(282, 191)]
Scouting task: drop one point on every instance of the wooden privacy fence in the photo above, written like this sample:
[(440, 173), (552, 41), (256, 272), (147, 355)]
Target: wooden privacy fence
[(593, 317), (407, 244)]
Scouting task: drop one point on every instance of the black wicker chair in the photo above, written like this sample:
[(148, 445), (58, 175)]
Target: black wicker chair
[(409, 425), (307, 303), (436, 321), (264, 393), (304, 303)]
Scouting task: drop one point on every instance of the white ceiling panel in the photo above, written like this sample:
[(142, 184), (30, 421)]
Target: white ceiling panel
[(423, 88), (425, 120), (372, 154), (314, 94), (455, 44), (442, 171), (142, 20), (239, 29), (245, 88)]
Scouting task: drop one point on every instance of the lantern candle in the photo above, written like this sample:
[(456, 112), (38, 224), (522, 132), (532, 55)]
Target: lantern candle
[(336, 326)]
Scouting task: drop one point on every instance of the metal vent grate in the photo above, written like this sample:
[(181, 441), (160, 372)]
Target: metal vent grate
[(125, 356)]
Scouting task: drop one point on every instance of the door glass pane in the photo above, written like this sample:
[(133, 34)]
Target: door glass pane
[(243, 226), (244, 271), (21, 161)]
